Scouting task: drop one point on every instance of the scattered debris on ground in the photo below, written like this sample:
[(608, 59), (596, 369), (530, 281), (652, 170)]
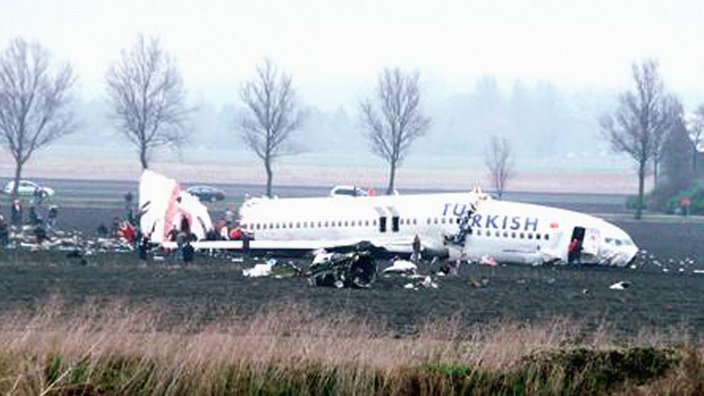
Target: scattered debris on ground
[(622, 285), (356, 269), (400, 267)]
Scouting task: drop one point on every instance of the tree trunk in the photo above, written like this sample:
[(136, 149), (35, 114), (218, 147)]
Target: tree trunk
[(695, 154), (269, 176), (18, 175), (392, 177), (641, 189), (656, 166), (143, 157)]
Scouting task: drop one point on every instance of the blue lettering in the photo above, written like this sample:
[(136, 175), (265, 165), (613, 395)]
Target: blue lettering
[(459, 209), (515, 223), (503, 224), (444, 211), (531, 223), (476, 221), (491, 221)]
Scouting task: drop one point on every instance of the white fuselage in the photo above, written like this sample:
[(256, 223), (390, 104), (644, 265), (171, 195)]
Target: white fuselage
[(506, 231)]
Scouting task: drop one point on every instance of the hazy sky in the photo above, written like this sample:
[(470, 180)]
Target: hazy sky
[(335, 49)]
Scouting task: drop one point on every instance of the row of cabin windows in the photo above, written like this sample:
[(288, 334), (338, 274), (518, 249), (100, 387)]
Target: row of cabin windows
[(382, 223), (512, 234), (396, 221)]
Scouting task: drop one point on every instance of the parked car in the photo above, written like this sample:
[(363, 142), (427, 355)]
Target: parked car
[(353, 191), (28, 188), (206, 193)]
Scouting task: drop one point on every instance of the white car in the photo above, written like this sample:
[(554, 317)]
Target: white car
[(353, 191), (28, 188)]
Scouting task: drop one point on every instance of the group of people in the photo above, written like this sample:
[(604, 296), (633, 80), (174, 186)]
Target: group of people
[(42, 226)]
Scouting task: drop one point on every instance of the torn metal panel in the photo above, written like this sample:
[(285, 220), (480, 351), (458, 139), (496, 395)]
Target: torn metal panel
[(357, 270)]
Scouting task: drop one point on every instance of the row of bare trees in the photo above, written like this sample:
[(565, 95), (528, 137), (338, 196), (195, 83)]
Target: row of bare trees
[(146, 91), (148, 102)]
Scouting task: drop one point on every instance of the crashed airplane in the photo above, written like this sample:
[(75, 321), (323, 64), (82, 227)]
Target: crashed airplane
[(456, 226)]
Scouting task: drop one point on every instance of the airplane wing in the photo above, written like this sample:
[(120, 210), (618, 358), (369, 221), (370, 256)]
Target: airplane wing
[(386, 246)]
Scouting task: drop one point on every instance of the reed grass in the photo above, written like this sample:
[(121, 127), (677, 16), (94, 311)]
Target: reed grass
[(108, 348)]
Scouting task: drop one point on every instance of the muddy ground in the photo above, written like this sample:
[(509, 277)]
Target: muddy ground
[(667, 303)]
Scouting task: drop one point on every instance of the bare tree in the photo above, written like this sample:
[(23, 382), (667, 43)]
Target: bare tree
[(672, 112), (639, 123), (148, 98), (274, 113), (499, 163), (696, 133), (34, 101), (397, 122)]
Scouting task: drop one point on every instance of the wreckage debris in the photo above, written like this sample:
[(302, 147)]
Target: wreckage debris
[(35, 238), (272, 268), (426, 283), (623, 285), (356, 270), (401, 267)]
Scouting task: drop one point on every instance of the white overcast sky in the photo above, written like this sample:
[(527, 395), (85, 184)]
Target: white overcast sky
[(335, 49)]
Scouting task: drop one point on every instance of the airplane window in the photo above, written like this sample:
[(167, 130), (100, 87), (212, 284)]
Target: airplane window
[(608, 240), (345, 223), (537, 236), (513, 235), (339, 223), (505, 234), (325, 224), (547, 237), (415, 221), (366, 223), (298, 225), (374, 223), (394, 223), (442, 220), (521, 235), (428, 221), (530, 235), (618, 242), (479, 232), (290, 225), (435, 220), (497, 234)]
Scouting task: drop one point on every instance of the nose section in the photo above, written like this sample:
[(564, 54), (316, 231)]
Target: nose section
[(619, 247), (629, 254)]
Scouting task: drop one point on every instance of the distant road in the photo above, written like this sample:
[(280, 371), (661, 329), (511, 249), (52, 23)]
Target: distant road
[(109, 194)]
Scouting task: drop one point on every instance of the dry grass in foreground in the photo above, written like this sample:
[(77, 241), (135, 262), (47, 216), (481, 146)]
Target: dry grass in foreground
[(101, 349)]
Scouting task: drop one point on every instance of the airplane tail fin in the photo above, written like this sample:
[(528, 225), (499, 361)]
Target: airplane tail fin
[(162, 205)]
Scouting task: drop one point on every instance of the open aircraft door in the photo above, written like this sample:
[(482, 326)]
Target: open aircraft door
[(590, 244), (584, 245)]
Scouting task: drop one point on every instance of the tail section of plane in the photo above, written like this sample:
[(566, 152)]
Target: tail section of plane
[(163, 205)]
